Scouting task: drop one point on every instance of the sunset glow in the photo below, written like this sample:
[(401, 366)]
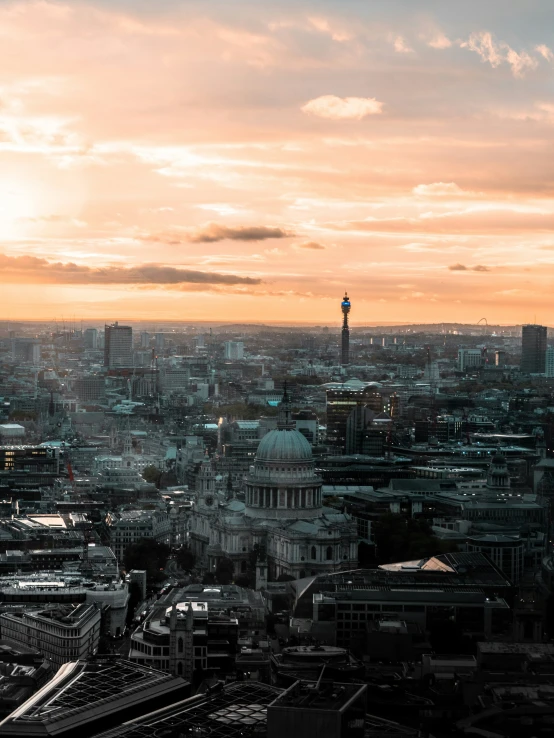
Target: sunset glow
[(251, 161)]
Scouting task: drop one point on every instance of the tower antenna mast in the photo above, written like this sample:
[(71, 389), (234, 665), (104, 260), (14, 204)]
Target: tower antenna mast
[(345, 334)]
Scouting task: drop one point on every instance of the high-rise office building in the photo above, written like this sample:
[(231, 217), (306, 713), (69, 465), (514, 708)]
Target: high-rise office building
[(144, 339), (90, 338), (118, 345), (549, 364), (339, 405), (234, 350), (345, 335), (533, 349)]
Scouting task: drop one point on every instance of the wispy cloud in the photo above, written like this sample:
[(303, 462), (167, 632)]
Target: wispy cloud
[(463, 268), (499, 52), (310, 245), (33, 270), (343, 108)]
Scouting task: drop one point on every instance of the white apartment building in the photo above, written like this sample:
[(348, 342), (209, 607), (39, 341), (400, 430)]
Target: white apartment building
[(62, 634)]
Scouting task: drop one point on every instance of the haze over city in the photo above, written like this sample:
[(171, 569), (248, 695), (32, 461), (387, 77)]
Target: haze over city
[(236, 161)]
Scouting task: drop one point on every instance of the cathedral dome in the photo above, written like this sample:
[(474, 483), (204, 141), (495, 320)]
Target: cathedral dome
[(284, 445)]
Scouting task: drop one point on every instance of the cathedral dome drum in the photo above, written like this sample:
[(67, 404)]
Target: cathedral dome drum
[(282, 482)]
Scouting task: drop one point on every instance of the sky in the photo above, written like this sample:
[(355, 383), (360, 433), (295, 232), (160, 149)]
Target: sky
[(250, 161)]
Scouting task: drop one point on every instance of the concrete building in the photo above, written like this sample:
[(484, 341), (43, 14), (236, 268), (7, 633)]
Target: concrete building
[(130, 526), (26, 350), (341, 401), (64, 633), (469, 359), (10, 431), (90, 338), (549, 362), (533, 349), (118, 346), (234, 350)]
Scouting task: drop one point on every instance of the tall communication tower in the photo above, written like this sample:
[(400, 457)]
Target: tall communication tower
[(345, 344)]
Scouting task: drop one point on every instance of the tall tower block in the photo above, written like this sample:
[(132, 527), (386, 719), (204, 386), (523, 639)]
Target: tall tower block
[(345, 343)]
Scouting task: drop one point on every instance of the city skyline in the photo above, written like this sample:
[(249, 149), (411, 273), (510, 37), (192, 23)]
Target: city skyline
[(198, 162)]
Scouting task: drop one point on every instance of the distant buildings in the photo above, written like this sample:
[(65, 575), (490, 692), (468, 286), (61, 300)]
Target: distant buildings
[(340, 402), (118, 346), (90, 338), (469, 359), (234, 350), (26, 350), (533, 349)]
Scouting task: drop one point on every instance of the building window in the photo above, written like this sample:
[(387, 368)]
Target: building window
[(329, 553), (313, 554), (180, 645)]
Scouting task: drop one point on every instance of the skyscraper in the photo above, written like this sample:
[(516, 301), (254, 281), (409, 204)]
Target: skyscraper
[(533, 349), (118, 345), (345, 344), (340, 402)]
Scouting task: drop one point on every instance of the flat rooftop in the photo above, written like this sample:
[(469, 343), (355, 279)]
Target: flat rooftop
[(329, 696)]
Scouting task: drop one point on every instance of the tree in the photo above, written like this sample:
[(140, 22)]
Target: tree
[(243, 580), (134, 599), (147, 554), (224, 571), (285, 578), (185, 558), (152, 474)]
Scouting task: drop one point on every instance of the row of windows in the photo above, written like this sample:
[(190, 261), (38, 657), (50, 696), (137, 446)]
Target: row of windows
[(345, 609)]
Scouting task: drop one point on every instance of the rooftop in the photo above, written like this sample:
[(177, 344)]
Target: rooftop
[(84, 691), (224, 712)]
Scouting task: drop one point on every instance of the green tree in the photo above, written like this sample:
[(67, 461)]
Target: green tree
[(185, 558), (224, 571), (152, 474), (147, 554)]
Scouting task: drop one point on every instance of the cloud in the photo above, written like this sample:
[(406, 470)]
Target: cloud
[(34, 270), (438, 189), (483, 220), (400, 46), (343, 108), (545, 52), (212, 232), (463, 268), (310, 245), (215, 232), (440, 41), (499, 52)]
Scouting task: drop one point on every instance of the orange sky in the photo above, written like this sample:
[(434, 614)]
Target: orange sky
[(216, 160)]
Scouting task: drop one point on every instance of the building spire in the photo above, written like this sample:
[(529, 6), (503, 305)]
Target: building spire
[(284, 421)]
